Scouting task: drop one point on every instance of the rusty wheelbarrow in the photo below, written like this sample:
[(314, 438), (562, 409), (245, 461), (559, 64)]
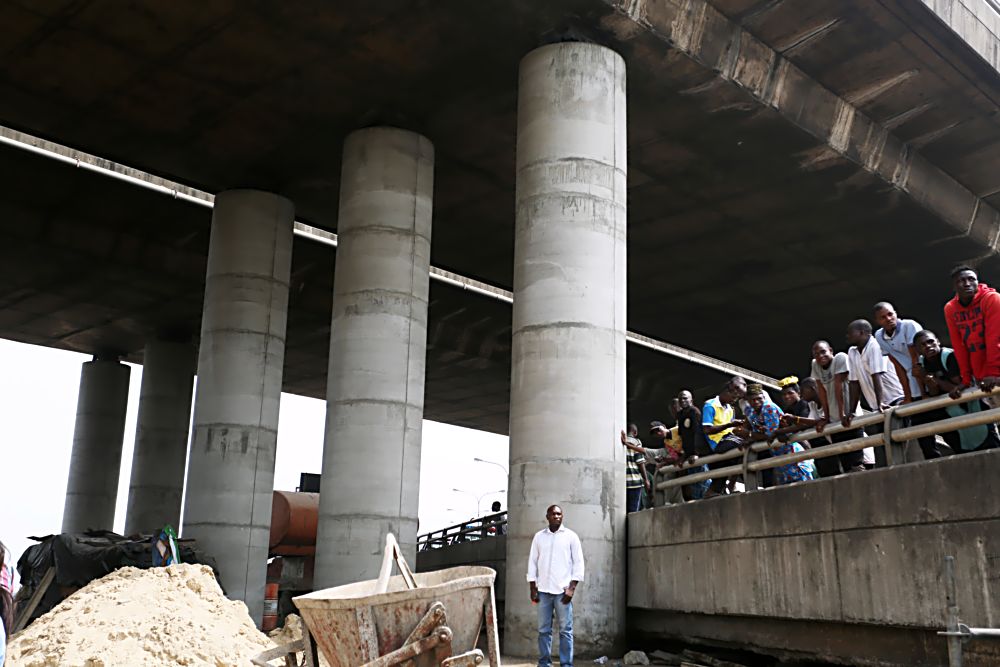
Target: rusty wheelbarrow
[(433, 619)]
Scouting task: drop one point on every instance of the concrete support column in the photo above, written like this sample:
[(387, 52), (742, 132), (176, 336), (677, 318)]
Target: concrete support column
[(161, 437), (567, 401), (378, 340), (231, 469), (96, 460)]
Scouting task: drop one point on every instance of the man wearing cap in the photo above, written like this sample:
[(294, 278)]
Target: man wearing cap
[(764, 422), (802, 409)]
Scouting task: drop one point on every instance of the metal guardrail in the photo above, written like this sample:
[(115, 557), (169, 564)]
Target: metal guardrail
[(893, 437), (491, 525)]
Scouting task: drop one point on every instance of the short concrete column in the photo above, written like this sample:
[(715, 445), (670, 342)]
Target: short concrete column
[(96, 460), (567, 402), (161, 437), (378, 340), (242, 351)]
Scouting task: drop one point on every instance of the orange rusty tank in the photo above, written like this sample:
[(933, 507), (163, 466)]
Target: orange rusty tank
[(294, 517)]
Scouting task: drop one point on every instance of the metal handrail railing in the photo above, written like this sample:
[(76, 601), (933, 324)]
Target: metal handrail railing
[(467, 531), (891, 434)]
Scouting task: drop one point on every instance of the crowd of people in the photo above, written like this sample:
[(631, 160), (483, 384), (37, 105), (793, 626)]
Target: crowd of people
[(897, 363)]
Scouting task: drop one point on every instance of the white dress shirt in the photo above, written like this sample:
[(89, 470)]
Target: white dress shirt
[(555, 560)]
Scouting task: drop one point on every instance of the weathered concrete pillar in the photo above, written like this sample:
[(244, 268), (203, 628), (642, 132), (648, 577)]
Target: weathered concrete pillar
[(378, 340), (96, 460), (231, 468), (567, 401), (161, 437)]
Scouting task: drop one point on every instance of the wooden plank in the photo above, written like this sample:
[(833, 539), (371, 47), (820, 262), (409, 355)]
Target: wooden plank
[(35, 600)]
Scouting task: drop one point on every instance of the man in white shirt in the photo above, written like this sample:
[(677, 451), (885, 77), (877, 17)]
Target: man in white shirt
[(896, 339), (831, 372), (869, 370), (555, 567)]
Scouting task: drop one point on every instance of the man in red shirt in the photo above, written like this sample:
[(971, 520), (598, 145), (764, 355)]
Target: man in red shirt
[(973, 318)]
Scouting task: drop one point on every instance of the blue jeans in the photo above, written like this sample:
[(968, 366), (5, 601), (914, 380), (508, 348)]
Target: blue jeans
[(633, 500), (564, 614)]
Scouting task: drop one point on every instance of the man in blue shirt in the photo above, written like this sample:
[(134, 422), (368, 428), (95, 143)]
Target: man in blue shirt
[(896, 340)]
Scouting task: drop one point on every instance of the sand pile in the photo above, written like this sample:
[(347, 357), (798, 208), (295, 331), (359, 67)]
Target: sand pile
[(175, 615)]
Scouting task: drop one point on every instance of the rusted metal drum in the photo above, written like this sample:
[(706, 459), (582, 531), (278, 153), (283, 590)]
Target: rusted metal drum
[(270, 620), (342, 619), (294, 517)]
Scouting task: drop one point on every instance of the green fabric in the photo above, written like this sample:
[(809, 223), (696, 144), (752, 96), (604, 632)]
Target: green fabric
[(973, 436)]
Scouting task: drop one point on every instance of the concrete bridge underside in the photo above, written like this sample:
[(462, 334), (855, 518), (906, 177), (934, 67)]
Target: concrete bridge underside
[(780, 167), (789, 164)]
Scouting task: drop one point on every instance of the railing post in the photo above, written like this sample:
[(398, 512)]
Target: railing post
[(951, 597), (653, 491), (750, 476), (895, 453)]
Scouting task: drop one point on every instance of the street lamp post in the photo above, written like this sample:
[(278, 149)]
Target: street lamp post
[(492, 463), (479, 498)]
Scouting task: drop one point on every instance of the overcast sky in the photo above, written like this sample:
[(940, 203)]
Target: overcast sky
[(38, 391)]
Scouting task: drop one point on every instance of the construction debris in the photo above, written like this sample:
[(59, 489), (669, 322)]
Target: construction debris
[(174, 615), (664, 658), (290, 632), (635, 658), (708, 660)]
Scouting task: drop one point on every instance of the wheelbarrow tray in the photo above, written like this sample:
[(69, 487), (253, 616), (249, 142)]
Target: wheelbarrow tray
[(352, 625)]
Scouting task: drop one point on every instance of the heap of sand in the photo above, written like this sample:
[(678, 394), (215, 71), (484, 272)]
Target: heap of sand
[(174, 615)]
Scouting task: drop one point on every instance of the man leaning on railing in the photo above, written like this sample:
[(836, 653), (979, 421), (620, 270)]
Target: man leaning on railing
[(941, 375)]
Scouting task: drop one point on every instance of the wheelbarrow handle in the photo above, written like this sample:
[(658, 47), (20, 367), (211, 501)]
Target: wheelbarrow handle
[(393, 553)]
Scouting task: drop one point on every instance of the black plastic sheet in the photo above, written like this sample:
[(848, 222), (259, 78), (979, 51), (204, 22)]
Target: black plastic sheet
[(81, 558)]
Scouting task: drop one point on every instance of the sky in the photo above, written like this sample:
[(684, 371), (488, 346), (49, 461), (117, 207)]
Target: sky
[(38, 392)]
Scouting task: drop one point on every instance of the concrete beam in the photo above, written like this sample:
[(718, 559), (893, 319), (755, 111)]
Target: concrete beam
[(96, 459), (161, 437), (744, 64), (568, 356), (242, 351), (378, 354), (976, 22)]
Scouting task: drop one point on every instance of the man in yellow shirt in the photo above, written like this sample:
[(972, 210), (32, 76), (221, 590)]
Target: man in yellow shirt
[(718, 419)]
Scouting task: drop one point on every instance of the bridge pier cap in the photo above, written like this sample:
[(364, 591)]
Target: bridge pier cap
[(568, 356), (240, 360), (378, 342)]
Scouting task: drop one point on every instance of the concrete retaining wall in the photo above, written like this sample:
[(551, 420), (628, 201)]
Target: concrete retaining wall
[(491, 552), (862, 550)]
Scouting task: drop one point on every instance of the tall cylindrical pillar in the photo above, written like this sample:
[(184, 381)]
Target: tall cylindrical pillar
[(96, 460), (242, 351), (161, 437), (567, 401), (378, 340)]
